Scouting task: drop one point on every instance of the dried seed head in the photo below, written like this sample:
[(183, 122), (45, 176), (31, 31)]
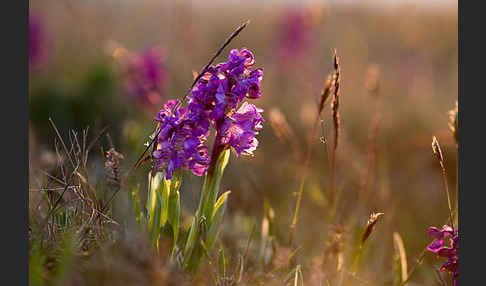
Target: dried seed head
[(437, 151), (326, 92), (370, 225), (336, 60), (335, 99), (112, 165), (453, 124), (113, 157)]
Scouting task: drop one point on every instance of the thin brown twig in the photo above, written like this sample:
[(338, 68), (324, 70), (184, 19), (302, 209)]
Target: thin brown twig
[(85, 155), (62, 141), (218, 52), (52, 177), (438, 154), (91, 145)]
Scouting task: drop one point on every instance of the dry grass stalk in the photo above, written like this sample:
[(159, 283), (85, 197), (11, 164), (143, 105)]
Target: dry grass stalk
[(365, 181), (336, 120), (335, 99), (437, 151), (438, 155), (325, 94), (370, 226), (77, 204), (372, 81)]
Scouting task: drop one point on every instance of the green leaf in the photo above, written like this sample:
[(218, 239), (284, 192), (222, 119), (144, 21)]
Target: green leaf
[(270, 219), (151, 196), (174, 209), (37, 259), (212, 184), (221, 200), (65, 257), (222, 264), (154, 207), (216, 220), (135, 197), (208, 217), (163, 206), (191, 242), (164, 192)]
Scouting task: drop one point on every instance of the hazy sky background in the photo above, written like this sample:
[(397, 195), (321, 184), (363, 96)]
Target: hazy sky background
[(381, 3), (375, 4)]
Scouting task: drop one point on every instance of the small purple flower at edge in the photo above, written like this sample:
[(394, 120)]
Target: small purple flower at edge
[(146, 76), (36, 40), (294, 34), (438, 246)]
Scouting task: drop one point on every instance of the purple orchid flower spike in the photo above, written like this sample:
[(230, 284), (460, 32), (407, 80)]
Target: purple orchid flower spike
[(213, 102)]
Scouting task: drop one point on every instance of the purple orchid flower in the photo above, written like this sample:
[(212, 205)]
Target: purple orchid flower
[(240, 128), (177, 143), (225, 85), (440, 247), (213, 102)]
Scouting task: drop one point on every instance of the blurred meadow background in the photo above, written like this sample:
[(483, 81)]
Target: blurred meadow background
[(399, 79)]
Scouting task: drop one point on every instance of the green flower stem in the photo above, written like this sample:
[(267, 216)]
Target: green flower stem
[(209, 213)]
